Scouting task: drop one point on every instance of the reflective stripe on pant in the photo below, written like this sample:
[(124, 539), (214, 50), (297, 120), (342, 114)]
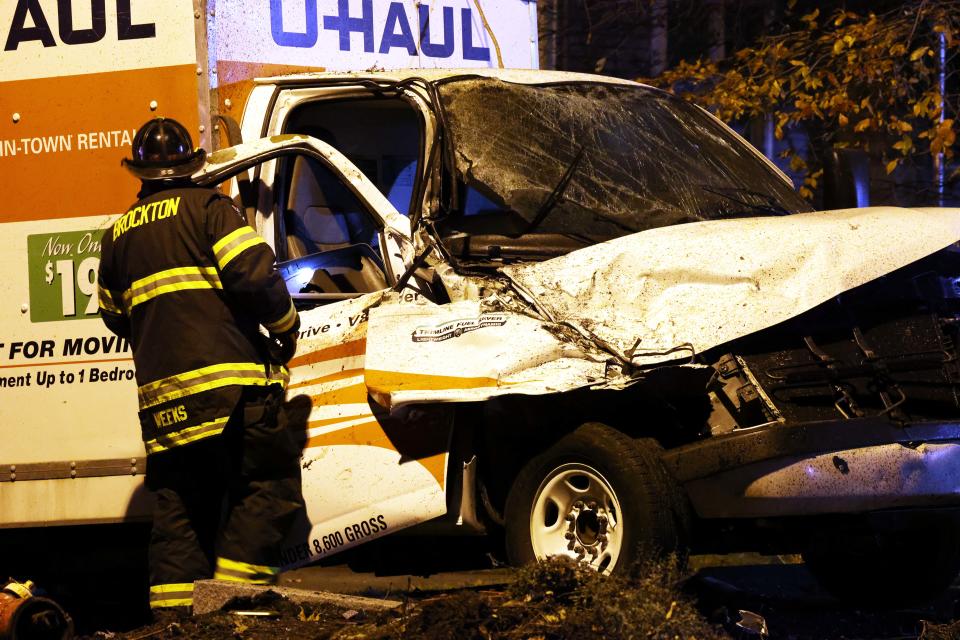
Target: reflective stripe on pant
[(245, 572), (171, 595), (253, 468)]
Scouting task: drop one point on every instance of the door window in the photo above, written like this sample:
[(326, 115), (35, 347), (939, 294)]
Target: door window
[(328, 240), (380, 135)]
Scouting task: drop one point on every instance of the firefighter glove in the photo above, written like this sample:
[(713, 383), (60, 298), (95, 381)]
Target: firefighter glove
[(283, 346)]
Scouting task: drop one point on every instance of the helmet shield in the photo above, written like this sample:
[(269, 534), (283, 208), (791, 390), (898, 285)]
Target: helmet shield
[(162, 150)]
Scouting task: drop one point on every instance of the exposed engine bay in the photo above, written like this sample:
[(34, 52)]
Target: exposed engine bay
[(885, 349)]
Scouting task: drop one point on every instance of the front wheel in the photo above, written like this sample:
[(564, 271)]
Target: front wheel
[(597, 496)]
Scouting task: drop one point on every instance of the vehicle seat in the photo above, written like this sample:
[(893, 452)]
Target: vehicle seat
[(314, 223), (367, 279), (364, 275)]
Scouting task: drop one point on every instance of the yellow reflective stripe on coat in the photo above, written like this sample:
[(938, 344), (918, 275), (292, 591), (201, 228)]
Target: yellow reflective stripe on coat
[(171, 595), (206, 378), (106, 302), (169, 280), (279, 374), (245, 572), (185, 436), (233, 244), (285, 323)]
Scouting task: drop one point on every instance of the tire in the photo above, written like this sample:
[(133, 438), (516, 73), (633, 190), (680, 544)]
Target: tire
[(903, 567), (596, 495)]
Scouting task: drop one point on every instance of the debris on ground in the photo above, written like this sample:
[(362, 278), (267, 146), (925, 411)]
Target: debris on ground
[(266, 616), (560, 600), (555, 600), (933, 631), (213, 595)]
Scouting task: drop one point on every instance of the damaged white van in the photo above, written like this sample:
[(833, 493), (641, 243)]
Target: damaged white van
[(585, 314), (582, 314)]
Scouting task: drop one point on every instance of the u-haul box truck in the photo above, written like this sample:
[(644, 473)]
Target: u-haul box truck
[(567, 304), (77, 79)]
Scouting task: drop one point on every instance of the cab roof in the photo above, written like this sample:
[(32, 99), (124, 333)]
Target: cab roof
[(519, 76)]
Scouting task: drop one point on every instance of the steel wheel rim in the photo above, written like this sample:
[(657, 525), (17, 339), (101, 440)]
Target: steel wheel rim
[(576, 514)]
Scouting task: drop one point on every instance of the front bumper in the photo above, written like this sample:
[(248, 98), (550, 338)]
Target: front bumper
[(848, 466)]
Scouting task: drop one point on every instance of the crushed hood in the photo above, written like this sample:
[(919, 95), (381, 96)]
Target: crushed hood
[(665, 293), (649, 298)]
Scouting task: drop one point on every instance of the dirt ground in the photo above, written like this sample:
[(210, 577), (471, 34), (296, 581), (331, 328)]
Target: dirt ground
[(105, 594), (559, 601)]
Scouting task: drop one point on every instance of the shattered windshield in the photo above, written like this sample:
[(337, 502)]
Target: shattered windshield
[(597, 161)]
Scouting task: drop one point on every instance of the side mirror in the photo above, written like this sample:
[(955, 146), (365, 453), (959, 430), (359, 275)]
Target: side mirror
[(846, 179)]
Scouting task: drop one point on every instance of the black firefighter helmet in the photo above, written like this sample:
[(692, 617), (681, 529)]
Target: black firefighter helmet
[(163, 150)]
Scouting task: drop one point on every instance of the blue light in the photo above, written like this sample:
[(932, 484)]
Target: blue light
[(303, 275)]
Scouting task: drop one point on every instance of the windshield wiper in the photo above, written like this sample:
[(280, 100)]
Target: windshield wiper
[(769, 204), (554, 197)]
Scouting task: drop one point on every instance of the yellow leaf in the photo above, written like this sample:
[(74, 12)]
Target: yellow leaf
[(904, 145), (791, 4), (810, 17), (917, 53), (863, 125), (797, 163), (673, 607), (842, 119), (837, 47), (891, 166), (805, 193)]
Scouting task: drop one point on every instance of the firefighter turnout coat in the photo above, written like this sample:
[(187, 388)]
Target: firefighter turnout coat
[(188, 282)]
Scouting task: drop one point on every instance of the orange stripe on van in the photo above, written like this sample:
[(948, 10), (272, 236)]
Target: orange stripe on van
[(389, 381), (371, 434), (353, 394), (328, 421), (333, 377), (344, 350)]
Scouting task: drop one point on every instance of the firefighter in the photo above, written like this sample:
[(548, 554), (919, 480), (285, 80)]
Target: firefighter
[(189, 283)]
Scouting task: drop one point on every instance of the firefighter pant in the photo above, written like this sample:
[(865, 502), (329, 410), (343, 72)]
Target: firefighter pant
[(223, 504)]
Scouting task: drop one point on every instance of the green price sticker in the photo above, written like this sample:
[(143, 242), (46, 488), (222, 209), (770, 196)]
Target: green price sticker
[(63, 275)]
